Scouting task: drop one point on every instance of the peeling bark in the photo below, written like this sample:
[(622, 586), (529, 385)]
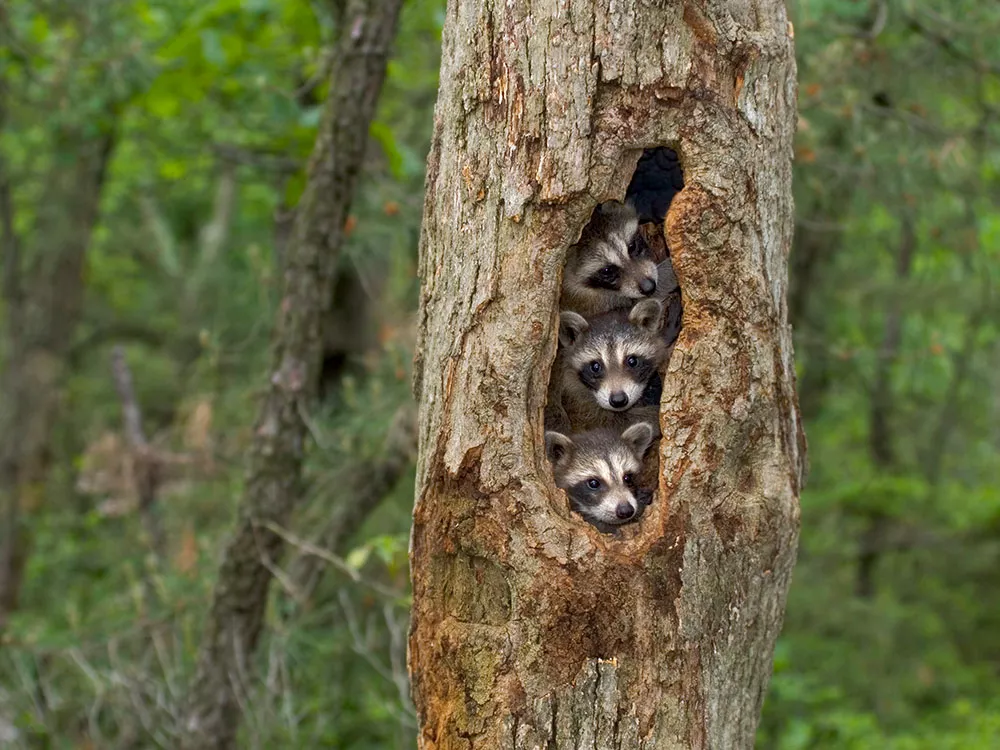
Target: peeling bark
[(530, 629), (239, 602)]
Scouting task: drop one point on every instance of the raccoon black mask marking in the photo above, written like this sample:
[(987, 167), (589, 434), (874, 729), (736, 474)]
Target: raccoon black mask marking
[(599, 472), (611, 266), (610, 360)]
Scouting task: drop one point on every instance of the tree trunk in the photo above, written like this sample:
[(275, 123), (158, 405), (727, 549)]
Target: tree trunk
[(43, 298), (531, 629), (273, 482)]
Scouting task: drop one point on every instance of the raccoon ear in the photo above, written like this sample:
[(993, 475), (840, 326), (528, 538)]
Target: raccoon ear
[(558, 447), (622, 219), (571, 327), (647, 314), (638, 437)]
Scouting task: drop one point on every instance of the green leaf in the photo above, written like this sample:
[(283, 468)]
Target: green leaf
[(384, 135), (358, 556), (211, 48)]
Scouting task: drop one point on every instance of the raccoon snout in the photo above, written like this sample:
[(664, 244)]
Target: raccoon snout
[(618, 400), (624, 511), (647, 286)]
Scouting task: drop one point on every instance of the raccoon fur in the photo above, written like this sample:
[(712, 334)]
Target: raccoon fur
[(600, 472), (610, 365), (611, 266)]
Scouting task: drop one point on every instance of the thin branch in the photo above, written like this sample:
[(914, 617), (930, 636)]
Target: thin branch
[(214, 234), (364, 489), (948, 45), (147, 468), (336, 561), (878, 23), (259, 158)]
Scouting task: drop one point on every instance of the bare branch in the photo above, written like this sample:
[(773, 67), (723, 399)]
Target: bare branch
[(363, 490), (147, 465), (878, 23), (214, 234), (336, 561), (257, 158), (949, 45)]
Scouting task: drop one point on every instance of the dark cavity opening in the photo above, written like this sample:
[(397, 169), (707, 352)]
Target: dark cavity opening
[(620, 314), (658, 177)]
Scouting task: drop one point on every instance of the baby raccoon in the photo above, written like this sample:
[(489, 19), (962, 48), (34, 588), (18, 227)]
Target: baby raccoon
[(611, 266), (599, 472), (610, 363)]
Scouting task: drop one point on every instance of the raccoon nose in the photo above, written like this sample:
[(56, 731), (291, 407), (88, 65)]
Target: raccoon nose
[(624, 511), (647, 286), (618, 399)]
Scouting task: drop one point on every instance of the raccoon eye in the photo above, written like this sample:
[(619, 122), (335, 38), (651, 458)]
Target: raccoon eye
[(609, 277), (629, 479), (638, 248), (593, 484), (596, 366), (632, 360)]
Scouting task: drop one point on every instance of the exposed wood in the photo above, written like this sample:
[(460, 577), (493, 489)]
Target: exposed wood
[(239, 601), (531, 629)]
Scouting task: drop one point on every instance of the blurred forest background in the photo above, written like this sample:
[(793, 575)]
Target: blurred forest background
[(160, 147)]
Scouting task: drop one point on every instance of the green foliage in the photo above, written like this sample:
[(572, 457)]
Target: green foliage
[(897, 132), (887, 640), (204, 97)]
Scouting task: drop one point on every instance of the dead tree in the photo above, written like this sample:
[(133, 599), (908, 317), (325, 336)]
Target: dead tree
[(531, 629), (236, 618)]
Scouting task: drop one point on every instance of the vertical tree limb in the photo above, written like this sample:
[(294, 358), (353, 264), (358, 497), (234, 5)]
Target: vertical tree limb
[(239, 602), (881, 441), (38, 327)]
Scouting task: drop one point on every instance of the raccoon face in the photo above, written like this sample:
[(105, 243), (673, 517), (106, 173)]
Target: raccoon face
[(598, 471), (611, 263), (614, 356)]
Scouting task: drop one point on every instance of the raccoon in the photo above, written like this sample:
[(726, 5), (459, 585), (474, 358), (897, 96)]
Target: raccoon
[(611, 266), (610, 363), (599, 470)]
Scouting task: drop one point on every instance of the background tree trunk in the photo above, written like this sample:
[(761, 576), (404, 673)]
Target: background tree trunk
[(274, 475), (530, 629), (43, 297)]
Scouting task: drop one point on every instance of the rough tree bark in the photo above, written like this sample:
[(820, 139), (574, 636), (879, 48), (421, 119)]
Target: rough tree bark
[(530, 629), (367, 28)]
